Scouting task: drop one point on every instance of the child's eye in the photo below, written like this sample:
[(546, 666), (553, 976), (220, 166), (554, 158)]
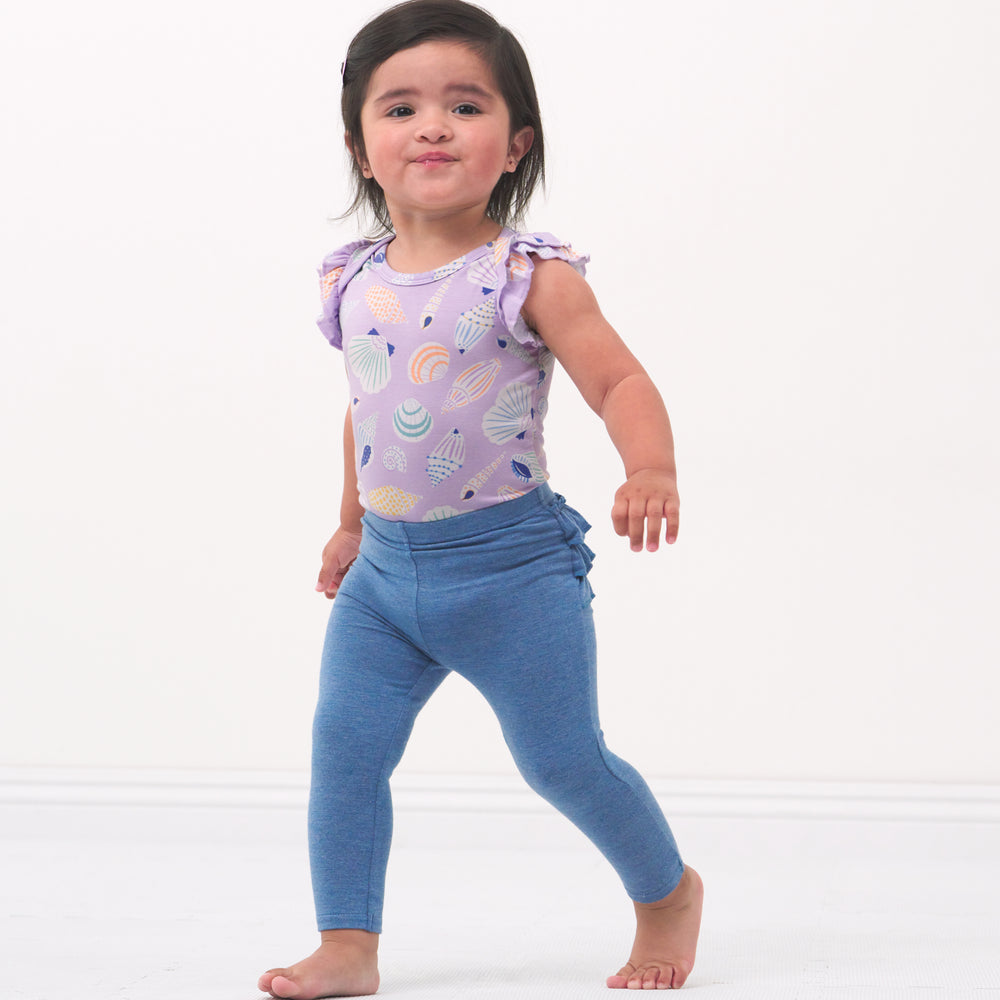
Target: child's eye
[(467, 109), (400, 111)]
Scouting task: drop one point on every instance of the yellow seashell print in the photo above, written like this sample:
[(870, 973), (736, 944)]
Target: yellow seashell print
[(392, 501), (384, 304)]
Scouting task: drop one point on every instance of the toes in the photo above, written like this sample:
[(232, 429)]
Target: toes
[(284, 988)]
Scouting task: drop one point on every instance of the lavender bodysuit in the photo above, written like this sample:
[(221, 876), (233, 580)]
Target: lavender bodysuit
[(449, 385)]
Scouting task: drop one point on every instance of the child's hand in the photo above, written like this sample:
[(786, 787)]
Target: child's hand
[(648, 498), (338, 556)]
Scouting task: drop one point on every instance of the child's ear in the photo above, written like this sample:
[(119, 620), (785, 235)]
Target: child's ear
[(520, 143), (358, 157)]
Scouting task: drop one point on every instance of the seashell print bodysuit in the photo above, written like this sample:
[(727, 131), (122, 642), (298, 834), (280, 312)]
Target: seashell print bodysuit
[(449, 385)]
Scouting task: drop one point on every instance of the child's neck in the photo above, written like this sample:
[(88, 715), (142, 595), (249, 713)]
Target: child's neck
[(422, 245)]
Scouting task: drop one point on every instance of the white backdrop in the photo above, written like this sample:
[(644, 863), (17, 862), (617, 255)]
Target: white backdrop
[(792, 210)]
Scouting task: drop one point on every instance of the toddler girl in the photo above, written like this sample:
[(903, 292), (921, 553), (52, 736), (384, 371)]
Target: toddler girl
[(453, 553)]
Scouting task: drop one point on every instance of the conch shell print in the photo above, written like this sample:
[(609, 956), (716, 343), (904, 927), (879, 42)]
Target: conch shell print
[(511, 416), (366, 438), (447, 457), (472, 384), (430, 310), (368, 354), (391, 501), (474, 324), (478, 481)]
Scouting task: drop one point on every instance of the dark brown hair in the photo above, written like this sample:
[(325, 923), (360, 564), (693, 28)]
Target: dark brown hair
[(416, 21)]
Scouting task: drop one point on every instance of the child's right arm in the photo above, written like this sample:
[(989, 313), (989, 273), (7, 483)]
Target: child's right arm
[(342, 549)]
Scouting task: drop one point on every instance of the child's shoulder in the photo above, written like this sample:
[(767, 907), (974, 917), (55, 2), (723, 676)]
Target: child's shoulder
[(547, 246)]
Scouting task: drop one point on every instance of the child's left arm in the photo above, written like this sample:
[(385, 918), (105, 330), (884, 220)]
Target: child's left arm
[(563, 310)]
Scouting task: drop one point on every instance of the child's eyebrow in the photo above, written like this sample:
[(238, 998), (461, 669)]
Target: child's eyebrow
[(462, 89)]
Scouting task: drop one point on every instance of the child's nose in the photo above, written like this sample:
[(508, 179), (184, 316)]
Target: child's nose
[(433, 128)]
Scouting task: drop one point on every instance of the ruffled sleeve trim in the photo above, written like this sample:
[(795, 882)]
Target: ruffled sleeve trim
[(516, 278), (335, 272)]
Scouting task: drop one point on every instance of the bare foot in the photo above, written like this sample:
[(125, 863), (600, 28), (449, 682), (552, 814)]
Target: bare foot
[(666, 936), (344, 965)]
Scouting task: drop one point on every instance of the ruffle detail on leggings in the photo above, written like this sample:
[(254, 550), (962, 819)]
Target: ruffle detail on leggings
[(574, 526)]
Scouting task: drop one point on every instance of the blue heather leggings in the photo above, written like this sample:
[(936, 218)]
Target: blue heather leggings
[(500, 596)]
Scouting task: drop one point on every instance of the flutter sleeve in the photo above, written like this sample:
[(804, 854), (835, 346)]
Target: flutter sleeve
[(335, 272), (516, 278)]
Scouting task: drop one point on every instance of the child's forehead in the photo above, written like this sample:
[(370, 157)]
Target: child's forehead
[(437, 64)]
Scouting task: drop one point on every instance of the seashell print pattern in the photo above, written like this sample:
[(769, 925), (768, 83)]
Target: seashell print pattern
[(478, 481), (369, 354), (411, 421), (484, 274), (471, 385), (394, 458), (527, 468), (474, 324), (493, 402), (430, 310), (392, 501), (446, 459), (384, 304), (329, 281), (440, 513), (509, 493), (511, 416), (428, 363), (366, 438)]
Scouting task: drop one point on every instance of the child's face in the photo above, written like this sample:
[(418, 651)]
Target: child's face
[(437, 132)]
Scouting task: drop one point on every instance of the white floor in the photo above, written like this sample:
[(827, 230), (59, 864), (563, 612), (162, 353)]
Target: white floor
[(158, 903)]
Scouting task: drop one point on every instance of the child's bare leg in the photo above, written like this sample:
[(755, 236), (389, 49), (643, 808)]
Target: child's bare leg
[(666, 937), (344, 965)]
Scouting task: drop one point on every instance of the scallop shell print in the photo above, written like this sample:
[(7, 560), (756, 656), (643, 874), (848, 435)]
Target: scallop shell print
[(411, 421), (430, 310), (392, 501), (384, 304), (447, 457), (509, 493), (511, 416), (369, 355), (428, 363), (474, 324), (440, 513), (472, 384), (483, 273), (478, 481), (366, 438)]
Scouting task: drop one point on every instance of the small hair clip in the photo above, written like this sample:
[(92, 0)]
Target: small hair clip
[(343, 66)]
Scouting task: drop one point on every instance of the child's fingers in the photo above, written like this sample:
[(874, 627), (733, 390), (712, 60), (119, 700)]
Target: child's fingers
[(654, 517)]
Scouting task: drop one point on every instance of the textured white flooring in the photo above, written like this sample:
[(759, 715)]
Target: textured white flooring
[(158, 903)]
